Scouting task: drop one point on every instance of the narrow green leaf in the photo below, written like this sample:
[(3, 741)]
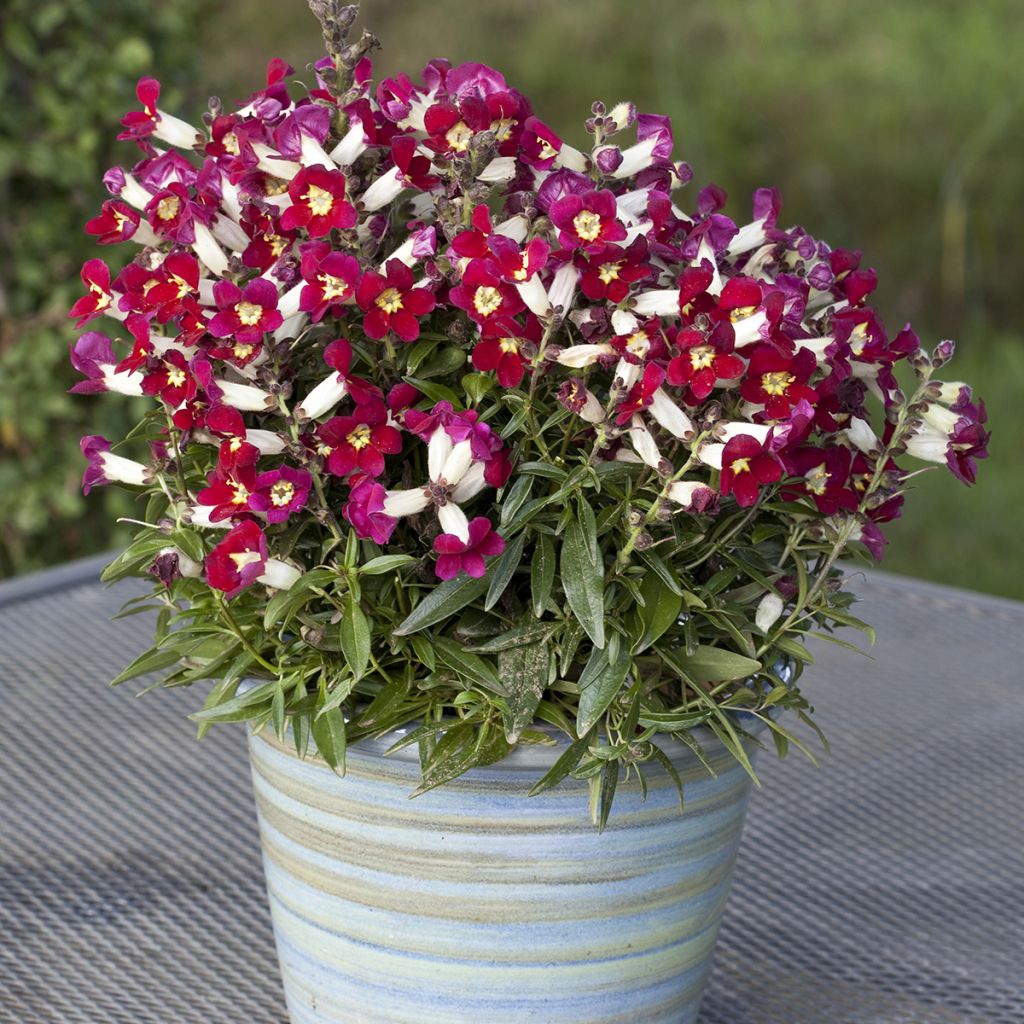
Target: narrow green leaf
[(355, 637), (566, 762), (531, 633), (150, 661), (524, 674), (542, 572), (712, 664), (657, 564), (661, 608), (599, 687), (444, 600), (238, 708), (329, 735), (384, 564), (583, 578), (470, 667), (606, 793), (504, 569)]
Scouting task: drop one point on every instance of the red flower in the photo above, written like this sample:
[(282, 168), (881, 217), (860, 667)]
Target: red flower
[(232, 483), (391, 303), (360, 441), (456, 555), (140, 124), (611, 270), (96, 277), (269, 241), (517, 265), (280, 492), (116, 222), (330, 280), (778, 381), (172, 212), (246, 315), (318, 203), (587, 221), (168, 376), (178, 280), (746, 464), (238, 560), (641, 394), (483, 294), (505, 347), (705, 360), (826, 477), (472, 243)]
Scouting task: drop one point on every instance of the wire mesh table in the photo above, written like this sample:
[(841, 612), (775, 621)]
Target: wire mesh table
[(882, 888)]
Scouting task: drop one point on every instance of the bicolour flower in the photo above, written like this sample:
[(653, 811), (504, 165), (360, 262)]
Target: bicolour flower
[(268, 241), (246, 315), (92, 355), (318, 203), (778, 381), (167, 376), (955, 436), (97, 300), (231, 484), (391, 303), (576, 397), (365, 509), (332, 389), (541, 148), (826, 477), (240, 560), (747, 464), (704, 360), (140, 124), (330, 280), (484, 295), (177, 281), (116, 222), (588, 221), (692, 495), (280, 492), (104, 467), (360, 441), (505, 347), (456, 555), (611, 271)]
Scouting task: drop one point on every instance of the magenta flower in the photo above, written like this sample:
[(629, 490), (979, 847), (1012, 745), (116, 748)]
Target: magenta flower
[(232, 483), (245, 315), (360, 441), (391, 303), (97, 300), (747, 464), (484, 295), (517, 265), (178, 281), (318, 203), (778, 381), (280, 492), (330, 280), (456, 556), (365, 509), (826, 477), (116, 222), (268, 240), (610, 271), (588, 221), (104, 467)]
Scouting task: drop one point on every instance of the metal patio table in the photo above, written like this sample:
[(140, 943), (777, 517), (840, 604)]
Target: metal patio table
[(884, 887)]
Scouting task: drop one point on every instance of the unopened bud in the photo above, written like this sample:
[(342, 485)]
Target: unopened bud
[(643, 542)]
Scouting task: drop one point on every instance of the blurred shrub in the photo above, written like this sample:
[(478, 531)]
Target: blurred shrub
[(68, 73)]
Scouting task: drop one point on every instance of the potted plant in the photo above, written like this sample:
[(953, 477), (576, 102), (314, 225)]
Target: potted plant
[(480, 471)]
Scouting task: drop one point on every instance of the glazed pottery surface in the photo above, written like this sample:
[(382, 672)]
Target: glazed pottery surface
[(475, 904)]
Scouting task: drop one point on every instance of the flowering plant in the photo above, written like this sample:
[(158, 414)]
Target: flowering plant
[(457, 425)]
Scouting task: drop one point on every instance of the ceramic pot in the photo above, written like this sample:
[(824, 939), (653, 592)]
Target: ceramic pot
[(475, 904)]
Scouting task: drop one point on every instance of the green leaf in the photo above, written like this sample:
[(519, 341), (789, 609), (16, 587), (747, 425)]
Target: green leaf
[(189, 543), (542, 573), (524, 674), (583, 577), (665, 574), (444, 600), (604, 790), (504, 569), (384, 564), (600, 683), (243, 706), (435, 392), (329, 735), (470, 667), (713, 664), (530, 633), (355, 637), (543, 469), (150, 661), (566, 762), (476, 386), (661, 608)]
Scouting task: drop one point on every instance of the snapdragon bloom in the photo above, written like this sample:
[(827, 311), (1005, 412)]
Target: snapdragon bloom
[(456, 555), (588, 221), (240, 560), (359, 441), (246, 315), (747, 464), (318, 203), (391, 303)]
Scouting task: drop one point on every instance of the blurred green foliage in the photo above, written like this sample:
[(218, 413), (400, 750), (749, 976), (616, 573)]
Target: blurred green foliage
[(894, 128), (69, 70)]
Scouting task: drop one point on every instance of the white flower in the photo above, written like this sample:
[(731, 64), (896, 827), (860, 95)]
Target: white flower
[(670, 416), (244, 396), (174, 131), (768, 611), (658, 302), (383, 190), (326, 395), (346, 152), (279, 575), (209, 251), (578, 356), (563, 287)]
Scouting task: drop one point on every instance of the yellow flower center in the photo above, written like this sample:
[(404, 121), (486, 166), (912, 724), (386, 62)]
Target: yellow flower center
[(276, 243), (151, 283), (740, 465), (323, 450), (702, 357), (334, 287), (274, 186), (458, 136), (609, 272), (230, 143), (241, 494), (102, 298), (183, 286), (248, 313), (244, 558), (360, 437), (119, 219), (390, 300), (587, 225), (282, 493), (175, 375), (547, 151), (235, 443), (522, 272), (817, 479), (168, 207), (503, 128), (241, 352), (487, 300), (859, 338), (509, 345), (741, 313), (638, 344), (318, 200), (776, 383)]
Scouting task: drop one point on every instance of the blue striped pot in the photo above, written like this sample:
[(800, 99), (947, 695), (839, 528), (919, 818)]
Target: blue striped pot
[(474, 904)]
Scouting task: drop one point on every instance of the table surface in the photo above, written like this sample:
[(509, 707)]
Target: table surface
[(883, 887)]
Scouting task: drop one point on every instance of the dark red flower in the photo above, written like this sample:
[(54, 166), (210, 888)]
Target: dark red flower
[(365, 509), (826, 477), (140, 124), (778, 381), (269, 241), (318, 203), (746, 464), (456, 555), (588, 221), (641, 394), (505, 347), (360, 441), (704, 360), (232, 483), (238, 560), (610, 271), (514, 264), (391, 302), (177, 281), (116, 222), (484, 295)]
